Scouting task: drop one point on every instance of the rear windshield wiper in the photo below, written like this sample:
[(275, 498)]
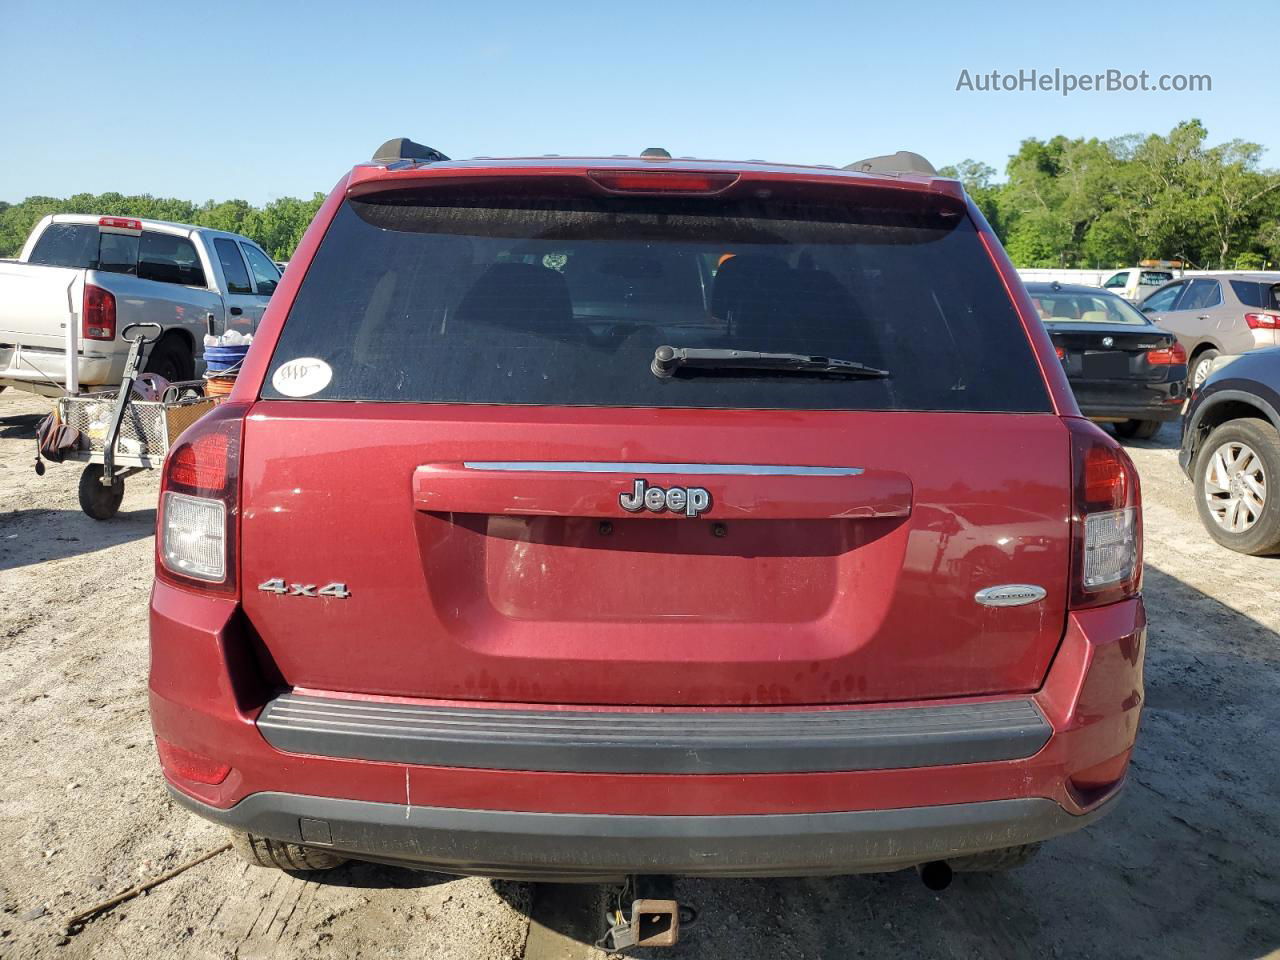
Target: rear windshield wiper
[(667, 360)]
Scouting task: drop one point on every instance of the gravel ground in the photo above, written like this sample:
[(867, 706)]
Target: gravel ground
[(1189, 866)]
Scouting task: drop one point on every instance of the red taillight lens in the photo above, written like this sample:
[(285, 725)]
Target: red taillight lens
[(1106, 521), (190, 765), (660, 181), (1262, 321), (197, 525), (98, 314), (1167, 356)]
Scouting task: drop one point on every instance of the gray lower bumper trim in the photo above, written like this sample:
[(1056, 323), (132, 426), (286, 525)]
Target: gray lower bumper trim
[(709, 742), (539, 846)]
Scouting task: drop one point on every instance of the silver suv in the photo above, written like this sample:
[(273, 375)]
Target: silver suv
[(1218, 313)]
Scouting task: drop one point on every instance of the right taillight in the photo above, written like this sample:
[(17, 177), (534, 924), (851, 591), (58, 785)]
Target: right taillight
[(1167, 356), (197, 522), (1262, 321), (98, 314), (1106, 522)]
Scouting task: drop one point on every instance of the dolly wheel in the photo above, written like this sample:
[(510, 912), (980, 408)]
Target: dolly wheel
[(281, 854), (99, 502)]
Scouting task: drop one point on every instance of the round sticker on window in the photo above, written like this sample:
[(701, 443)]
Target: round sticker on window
[(302, 377)]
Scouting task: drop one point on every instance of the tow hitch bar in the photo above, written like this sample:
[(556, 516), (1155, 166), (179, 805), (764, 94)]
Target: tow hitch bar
[(653, 917)]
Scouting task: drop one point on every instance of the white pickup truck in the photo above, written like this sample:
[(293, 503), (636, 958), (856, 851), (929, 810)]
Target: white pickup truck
[(81, 280)]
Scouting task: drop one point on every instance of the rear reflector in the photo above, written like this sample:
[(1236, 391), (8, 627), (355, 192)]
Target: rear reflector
[(98, 314), (659, 181), (1167, 356), (1262, 321), (190, 765)]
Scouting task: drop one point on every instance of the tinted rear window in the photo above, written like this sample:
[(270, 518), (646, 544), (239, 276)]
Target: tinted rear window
[(83, 245), (1265, 296), (563, 302)]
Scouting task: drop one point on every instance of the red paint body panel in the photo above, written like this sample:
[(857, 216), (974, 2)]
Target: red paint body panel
[(487, 606)]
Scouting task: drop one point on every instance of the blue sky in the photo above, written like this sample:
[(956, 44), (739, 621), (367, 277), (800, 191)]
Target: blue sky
[(260, 100)]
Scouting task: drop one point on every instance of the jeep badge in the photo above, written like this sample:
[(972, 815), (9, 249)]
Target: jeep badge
[(690, 501)]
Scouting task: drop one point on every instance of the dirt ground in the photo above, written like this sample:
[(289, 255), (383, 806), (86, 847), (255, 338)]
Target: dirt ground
[(1189, 866)]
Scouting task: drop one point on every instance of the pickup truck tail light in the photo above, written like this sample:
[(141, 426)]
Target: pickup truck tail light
[(199, 518), (1167, 356), (1106, 520), (98, 314), (1262, 321)]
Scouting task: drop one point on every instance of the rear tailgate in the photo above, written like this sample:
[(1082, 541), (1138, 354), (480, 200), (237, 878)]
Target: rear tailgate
[(37, 302), (464, 482), (805, 598)]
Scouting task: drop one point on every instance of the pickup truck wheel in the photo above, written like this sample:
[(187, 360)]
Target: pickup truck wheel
[(1138, 429), (282, 855), (99, 502), (995, 861), (171, 358), (1237, 484)]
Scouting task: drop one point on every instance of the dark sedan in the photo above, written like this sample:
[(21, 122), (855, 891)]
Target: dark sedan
[(1123, 368), (1231, 451)]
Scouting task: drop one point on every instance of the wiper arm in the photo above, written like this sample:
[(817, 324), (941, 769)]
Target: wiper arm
[(667, 360)]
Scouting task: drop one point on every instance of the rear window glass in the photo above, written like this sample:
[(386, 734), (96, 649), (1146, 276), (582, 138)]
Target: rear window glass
[(83, 245), (1085, 308), (562, 301), (1154, 278), (1265, 296)]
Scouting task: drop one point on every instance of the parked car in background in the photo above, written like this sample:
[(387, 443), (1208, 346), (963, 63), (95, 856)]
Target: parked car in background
[(1231, 451), (1218, 313), (100, 274), (1137, 282), (1122, 368), (582, 518)]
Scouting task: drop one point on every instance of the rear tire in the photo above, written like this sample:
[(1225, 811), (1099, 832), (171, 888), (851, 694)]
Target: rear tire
[(1138, 429), (1261, 536), (995, 861), (99, 502), (1200, 369), (171, 358), (282, 855)]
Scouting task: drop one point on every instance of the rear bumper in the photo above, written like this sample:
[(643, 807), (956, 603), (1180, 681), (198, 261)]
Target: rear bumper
[(594, 847), (1059, 754), (43, 369), (1137, 400)]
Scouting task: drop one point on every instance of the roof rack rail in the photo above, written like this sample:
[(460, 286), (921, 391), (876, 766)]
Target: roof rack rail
[(402, 148), (904, 161)]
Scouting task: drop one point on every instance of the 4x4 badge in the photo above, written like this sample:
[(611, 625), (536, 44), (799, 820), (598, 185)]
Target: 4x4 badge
[(690, 501), (277, 585)]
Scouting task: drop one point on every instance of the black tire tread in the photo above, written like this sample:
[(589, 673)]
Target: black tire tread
[(171, 347), (995, 861), (1139, 429), (98, 501), (282, 855), (1264, 538)]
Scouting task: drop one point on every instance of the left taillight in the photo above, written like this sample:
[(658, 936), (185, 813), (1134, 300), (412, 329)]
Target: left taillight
[(1106, 522), (98, 314), (198, 520)]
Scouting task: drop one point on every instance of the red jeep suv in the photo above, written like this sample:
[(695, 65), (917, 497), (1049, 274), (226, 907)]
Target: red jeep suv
[(591, 518)]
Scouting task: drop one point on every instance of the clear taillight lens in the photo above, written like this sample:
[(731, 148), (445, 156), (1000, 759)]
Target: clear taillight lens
[(1106, 521), (1110, 548), (193, 540)]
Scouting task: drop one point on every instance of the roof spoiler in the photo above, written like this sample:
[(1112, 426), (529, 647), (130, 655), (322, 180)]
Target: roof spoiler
[(904, 161), (402, 148)]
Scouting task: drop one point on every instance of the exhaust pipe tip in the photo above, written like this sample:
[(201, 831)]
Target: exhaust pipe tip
[(936, 874)]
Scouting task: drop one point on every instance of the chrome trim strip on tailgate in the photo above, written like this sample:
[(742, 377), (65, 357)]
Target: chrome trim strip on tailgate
[(720, 742), (708, 469)]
